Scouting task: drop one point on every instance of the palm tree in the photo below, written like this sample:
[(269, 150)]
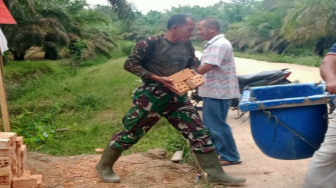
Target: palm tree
[(21, 36), (310, 20), (36, 25), (236, 10), (260, 31), (124, 9), (49, 23)]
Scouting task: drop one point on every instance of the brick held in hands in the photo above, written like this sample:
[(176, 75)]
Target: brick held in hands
[(181, 75), (182, 88), (195, 81)]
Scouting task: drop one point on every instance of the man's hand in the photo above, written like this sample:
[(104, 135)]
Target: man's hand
[(166, 82), (331, 87), (328, 72)]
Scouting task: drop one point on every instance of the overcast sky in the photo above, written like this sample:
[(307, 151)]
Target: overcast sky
[(159, 5)]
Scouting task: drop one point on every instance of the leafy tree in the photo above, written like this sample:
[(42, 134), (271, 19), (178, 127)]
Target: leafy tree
[(310, 20), (124, 10), (236, 10), (260, 31), (152, 23), (49, 23), (26, 33)]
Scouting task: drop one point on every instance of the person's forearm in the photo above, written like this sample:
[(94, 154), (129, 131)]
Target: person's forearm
[(134, 63), (328, 68), (155, 77), (135, 67), (205, 68), (194, 64)]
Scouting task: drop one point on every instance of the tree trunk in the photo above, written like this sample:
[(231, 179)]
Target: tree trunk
[(50, 50), (18, 56), (51, 55), (319, 47)]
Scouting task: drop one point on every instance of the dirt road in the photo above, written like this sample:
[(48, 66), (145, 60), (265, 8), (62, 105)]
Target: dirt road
[(138, 170), (300, 73)]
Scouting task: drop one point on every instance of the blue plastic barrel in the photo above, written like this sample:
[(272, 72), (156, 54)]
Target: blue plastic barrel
[(287, 121)]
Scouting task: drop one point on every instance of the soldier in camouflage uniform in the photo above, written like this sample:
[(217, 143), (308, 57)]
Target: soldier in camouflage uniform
[(154, 60)]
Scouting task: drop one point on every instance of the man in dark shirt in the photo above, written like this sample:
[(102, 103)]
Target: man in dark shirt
[(154, 60)]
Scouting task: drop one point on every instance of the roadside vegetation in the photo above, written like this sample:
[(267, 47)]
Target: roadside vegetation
[(65, 114), (67, 90)]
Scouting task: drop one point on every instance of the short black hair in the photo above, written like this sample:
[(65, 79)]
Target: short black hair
[(212, 22), (177, 19)]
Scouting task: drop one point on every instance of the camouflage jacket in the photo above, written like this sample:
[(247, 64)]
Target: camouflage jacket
[(156, 55)]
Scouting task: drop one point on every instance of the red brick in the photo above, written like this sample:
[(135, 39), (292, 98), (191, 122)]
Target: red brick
[(181, 75), (5, 161), (195, 81)]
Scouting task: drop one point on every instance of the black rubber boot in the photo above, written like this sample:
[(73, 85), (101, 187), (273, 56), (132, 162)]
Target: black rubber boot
[(209, 163), (105, 165)]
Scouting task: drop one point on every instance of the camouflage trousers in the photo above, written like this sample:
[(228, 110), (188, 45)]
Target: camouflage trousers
[(150, 103)]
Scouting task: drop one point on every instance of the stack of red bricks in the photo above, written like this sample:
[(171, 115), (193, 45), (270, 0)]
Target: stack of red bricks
[(186, 80), (13, 155)]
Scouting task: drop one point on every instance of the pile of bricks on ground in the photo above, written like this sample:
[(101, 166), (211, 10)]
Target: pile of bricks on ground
[(13, 154), (186, 80)]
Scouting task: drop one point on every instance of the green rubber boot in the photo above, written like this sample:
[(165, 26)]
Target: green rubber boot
[(105, 165), (209, 163)]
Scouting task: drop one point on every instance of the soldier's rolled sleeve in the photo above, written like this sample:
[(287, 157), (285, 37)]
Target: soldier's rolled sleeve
[(134, 63)]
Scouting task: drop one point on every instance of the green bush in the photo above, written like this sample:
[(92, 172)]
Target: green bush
[(127, 47), (20, 71), (124, 49), (88, 101), (36, 128), (299, 51)]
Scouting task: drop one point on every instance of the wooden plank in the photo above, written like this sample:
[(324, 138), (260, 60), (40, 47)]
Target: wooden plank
[(99, 150), (177, 157), (3, 100)]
